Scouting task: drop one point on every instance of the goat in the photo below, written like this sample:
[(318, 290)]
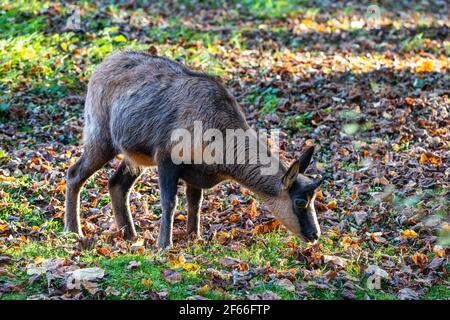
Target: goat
[(134, 103)]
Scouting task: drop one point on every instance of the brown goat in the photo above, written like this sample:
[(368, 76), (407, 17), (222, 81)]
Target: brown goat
[(134, 104)]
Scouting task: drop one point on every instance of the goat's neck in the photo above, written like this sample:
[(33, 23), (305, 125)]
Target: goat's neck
[(257, 178), (250, 176)]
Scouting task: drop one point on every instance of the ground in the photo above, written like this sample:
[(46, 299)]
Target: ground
[(366, 84)]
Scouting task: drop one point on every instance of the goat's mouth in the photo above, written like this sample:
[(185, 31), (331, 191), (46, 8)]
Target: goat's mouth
[(308, 238)]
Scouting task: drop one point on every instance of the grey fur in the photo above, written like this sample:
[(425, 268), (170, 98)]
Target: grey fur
[(134, 102)]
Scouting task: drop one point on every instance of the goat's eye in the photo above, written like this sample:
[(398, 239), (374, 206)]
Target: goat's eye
[(300, 203)]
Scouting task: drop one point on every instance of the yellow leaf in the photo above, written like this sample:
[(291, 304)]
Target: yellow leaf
[(38, 259), (223, 237), (408, 234), (396, 147), (146, 282), (6, 179), (425, 66), (27, 54), (332, 204), (203, 290), (190, 266), (177, 260), (181, 217)]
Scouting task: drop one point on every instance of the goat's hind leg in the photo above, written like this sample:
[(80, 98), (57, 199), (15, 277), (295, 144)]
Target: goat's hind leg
[(120, 185), (90, 162)]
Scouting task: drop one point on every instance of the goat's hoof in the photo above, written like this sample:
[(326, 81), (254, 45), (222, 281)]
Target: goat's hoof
[(130, 236), (85, 243), (163, 246), (75, 231)]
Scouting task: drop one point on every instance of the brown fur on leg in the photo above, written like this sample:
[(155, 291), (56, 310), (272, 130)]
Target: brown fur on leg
[(90, 162), (119, 186)]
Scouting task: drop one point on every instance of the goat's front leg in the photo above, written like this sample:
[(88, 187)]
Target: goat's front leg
[(168, 182), (194, 200)]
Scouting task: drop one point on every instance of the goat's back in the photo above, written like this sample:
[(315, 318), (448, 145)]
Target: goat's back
[(135, 101)]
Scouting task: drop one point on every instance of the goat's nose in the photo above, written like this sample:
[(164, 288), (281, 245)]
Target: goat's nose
[(312, 235)]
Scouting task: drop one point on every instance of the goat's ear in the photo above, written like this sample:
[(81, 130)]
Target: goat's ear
[(291, 175), (305, 159)]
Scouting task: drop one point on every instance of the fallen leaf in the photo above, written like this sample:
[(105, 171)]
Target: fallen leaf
[(134, 264), (228, 262), (266, 227), (408, 234), (172, 276), (430, 159), (190, 266), (408, 294), (266, 295), (420, 259), (197, 297), (89, 274), (286, 284), (181, 217), (335, 260), (147, 282), (104, 251), (425, 66), (332, 204), (203, 290), (360, 217), (439, 251), (35, 270)]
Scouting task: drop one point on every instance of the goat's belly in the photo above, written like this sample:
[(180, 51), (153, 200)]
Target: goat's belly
[(141, 159), (200, 179)]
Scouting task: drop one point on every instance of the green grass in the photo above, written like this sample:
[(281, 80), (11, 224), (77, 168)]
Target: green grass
[(129, 283), (41, 64)]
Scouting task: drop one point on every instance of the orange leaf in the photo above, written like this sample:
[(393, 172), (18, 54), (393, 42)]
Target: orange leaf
[(319, 195), (243, 266), (253, 212), (266, 227), (234, 201), (104, 251), (429, 159), (419, 259), (332, 204), (235, 218), (409, 101)]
